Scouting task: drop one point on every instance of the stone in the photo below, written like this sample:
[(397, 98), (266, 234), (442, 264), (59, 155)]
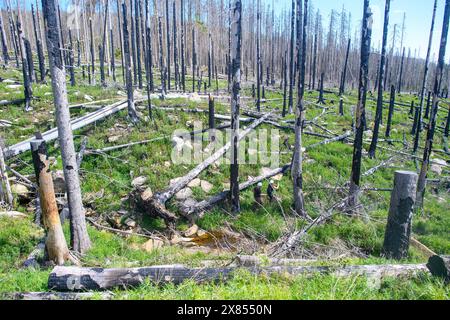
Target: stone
[(88, 98), (112, 139), (147, 194), (152, 244), (130, 223), (20, 190), (194, 183), (192, 231), (139, 181), (13, 86), (177, 239), (206, 186), (184, 194), (12, 214), (167, 164)]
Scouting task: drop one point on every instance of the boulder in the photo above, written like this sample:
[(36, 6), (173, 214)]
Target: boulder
[(192, 231), (147, 194), (152, 244), (139, 181), (206, 186), (194, 183)]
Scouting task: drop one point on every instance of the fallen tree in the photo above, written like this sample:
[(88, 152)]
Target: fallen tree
[(82, 279)]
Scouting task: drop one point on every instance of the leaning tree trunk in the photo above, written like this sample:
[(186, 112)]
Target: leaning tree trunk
[(361, 106), (379, 111), (424, 81), (55, 243), (434, 110), (129, 81), (297, 161), (236, 36), (28, 92), (79, 236)]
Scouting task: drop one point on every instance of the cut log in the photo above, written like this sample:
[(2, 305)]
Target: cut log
[(82, 279), (439, 266)]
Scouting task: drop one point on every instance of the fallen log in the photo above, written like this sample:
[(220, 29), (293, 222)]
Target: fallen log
[(254, 261), (59, 295), (439, 266), (82, 279), (11, 102), (157, 204), (327, 141), (75, 124)]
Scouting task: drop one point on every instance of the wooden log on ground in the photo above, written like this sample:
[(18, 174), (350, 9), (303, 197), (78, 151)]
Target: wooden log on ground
[(254, 261), (439, 266), (81, 279), (398, 228), (59, 295)]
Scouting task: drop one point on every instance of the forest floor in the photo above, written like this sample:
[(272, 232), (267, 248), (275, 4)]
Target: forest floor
[(106, 181)]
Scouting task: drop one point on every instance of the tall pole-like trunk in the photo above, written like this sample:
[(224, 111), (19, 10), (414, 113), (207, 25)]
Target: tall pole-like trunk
[(175, 48), (30, 61), (366, 36), (92, 70), (284, 83), (344, 72), (3, 41), (400, 77), (194, 60), (138, 42), (210, 72), (149, 54), (316, 34), (129, 81), (71, 60), (41, 58), (133, 44), (258, 57), (236, 36), (291, 59), (297, 160), (102, 48), (28, 92), (168, 44), (122, 54), (161, 60), (391, 112), (434, 110), (13, 34), (5, 188), (111, 36), (424, 81), (183, 44), (79, 236), (379, 111)]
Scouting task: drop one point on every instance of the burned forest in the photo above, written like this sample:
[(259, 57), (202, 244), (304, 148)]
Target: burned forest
[(224, 149)]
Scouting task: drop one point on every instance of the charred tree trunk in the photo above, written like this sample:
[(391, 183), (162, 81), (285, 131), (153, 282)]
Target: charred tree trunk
[(291, 59), (122, 54), (361, 106), (391, 112), (284, 83), (5, 188), (79, 236), (175, 48), (71, 61), (322, 79), (400, 77), (344, 72), (161, 60), (427, 110), (3, 41), (424, 82), (28, 92), (183, 44), (29, 55), (129, 81), (297, 160), (148, 60), (55, 243), (194, 60), (258, 57), (236, 36), (133, 43), (168, 45), (138, 42), (92, 69), (112, 52), (40, 53), (379, 111), (434, 110)]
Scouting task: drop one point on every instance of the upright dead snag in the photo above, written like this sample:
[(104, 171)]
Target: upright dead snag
[(434, 110), (258, 57), (361, 106), (194, 60), (183, 44), (391, 112), (236, 36), (148, 59), (79, 236), (161, 60), (344, 72), (379, 111), (5, 187), (168, 44), (28, 92), (175, 47), (129, 81), (291, 60), (40, 53), (138, 42), (3, 41), (122, 54), (297, 160), (91, 73), (424, 83), (55, 243)]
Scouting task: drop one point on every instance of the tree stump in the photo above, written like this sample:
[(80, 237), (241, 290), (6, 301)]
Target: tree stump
[(398, 228)]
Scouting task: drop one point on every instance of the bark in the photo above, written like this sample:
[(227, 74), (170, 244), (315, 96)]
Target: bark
[(5, 188), (379, 111), (434, 110), (439, 266), (129, 81), (341, 107), (391, 112), (297, 160), (28, 92), (4, 43), (291, 59), (183, 44), (398, 228), (55, 243), (79, 236), (82, 279), (138, 42), (236, 36), (40, 52), (344, 72), (361, 106)]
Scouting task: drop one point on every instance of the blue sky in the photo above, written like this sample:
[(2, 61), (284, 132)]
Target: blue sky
[(418, 19)]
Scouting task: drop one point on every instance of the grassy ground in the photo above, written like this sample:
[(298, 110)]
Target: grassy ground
[(328, 165)]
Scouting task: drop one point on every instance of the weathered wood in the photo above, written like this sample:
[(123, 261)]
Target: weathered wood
[(255, 261), (398, 228), (3, 41), (81, 279), (439, 266), (79, 237), (391, 112), (37, 296), (28, 92), (5, 188), (55, 243)]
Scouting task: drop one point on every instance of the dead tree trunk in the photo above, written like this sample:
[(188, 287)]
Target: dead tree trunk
[(112, 51), (434, 110), (175, 48), (297, 160), (341, 107), (211, 119), (129, 81), (194, 60), (137, 32), (400, 77), (168, 45), (55, 243), (258, 57), (398, 228), (71, 61), (3, 41), (28, 92), (12, 32), (440, 267), (236, 36), (161, 60), (148, 60), (79, 236), (361, 106), (321, 98), (391, 112), (40, 53), (102, 48), (427, 110), (29, 55), (379, 111), (91, 73), (424, 81), (5, 187), (183, 44), (284, 83), (122, 54), (291, 59), (344, 72)]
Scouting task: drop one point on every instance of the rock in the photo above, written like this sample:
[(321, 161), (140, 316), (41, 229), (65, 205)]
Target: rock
[(12, 214), (20, 190), (59, 182), (139, 181), (194, 183), (13, 86), (192, 231), (278, 177), (206, 186), (177, 143), (177, 239), (112, 139), (88, 98), (201, 232), (130, 223), (152, 244), (8, 81), (147, 194), (184, 194), (167, 164), (435, 168)]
